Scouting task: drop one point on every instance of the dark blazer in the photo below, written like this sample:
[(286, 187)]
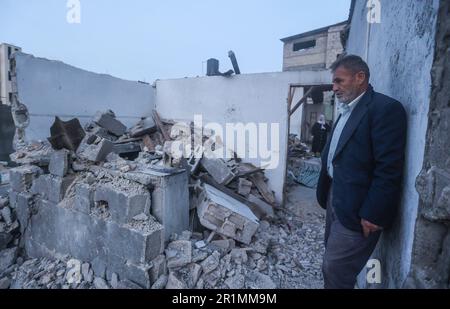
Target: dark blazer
[(367, 164)]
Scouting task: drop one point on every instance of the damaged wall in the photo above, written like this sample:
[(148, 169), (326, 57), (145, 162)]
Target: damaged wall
[(249, 98), (52, 88), (431, 249), (400, 61), (7, 130)]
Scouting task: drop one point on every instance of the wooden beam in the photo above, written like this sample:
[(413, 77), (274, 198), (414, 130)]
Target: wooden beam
[(160, 126), (302, 100)]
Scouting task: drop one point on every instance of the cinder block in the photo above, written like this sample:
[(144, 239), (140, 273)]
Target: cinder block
[(59, 162), (23, 210), (225, 215), (84, 198), (108, 121), (136, 245), (52, 188), (123, 249), (218, 169), (94, 148), (159, 267), (170, 200), (12, 198), (21, 178), (122, 205)]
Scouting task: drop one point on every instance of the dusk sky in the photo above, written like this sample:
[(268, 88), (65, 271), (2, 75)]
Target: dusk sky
[(146, 40)]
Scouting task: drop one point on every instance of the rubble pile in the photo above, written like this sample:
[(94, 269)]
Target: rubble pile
[(296, 148), (133, 213), (281, 255)]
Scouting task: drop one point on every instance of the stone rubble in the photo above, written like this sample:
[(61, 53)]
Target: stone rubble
[(113, 200)]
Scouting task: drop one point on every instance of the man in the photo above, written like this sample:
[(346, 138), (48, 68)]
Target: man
[(362, 167)]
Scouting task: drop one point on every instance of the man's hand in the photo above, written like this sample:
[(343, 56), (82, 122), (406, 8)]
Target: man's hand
[(369, 227)]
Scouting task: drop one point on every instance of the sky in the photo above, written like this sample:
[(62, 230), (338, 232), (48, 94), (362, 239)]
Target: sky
[(148, 39)]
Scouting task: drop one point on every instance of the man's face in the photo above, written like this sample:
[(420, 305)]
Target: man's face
[(347, 85)]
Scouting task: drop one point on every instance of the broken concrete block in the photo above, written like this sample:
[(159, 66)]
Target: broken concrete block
[(144, 126), (225, 215), (21, 178), (100, 283), (194, 271), (175, 282), (127, 147), (66, 134), (12, 198), (263, 188), (218, 169), (261, 207), (159, 267), (235, 282), (127, 284), (84, 197), (211, 262), (179, 253), (114, 280), (108, 121), (170, 199), (106, 245), (52, 188), (200, 244), (257, 280), (212, 278), (160, 283), (239, 255), (223, 245), (5, 239), (23, 210), (185, 235), (94, 148), (7, 258), (99, 267), (138, 244), (244, 186), (5, 283), (59, 163), (123, 203), (102, 132), (7, 215)]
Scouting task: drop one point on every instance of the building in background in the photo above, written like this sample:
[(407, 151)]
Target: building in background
[(6, 50), (316, 49), (311, 51)]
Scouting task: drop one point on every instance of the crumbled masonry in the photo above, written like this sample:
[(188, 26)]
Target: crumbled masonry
[(132, 216)]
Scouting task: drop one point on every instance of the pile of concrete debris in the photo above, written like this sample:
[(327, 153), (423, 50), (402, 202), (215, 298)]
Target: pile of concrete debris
[(9, 237), (110, 199)]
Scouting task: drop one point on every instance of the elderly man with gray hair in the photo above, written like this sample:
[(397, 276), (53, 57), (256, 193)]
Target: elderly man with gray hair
[(362, 169)]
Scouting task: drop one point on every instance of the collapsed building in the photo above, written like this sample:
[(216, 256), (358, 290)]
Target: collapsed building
[(84, 199), (99, 185), (227, 239)]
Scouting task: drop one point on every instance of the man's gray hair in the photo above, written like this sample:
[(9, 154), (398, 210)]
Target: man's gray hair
[(353, 63)]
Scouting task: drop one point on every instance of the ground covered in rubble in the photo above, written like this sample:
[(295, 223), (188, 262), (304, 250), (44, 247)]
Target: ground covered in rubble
[(284, 253)]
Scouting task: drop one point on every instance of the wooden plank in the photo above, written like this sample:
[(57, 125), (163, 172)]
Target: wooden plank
[(260, 184), (148, 142), (160, 126), (302, 100)]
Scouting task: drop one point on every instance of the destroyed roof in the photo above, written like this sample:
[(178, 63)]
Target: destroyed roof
[(312, 32)]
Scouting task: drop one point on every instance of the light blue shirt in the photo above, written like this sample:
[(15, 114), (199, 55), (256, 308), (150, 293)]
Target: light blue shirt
[(345, 111)]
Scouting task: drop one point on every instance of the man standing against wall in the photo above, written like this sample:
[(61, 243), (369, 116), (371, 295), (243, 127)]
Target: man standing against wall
[(362, 168)]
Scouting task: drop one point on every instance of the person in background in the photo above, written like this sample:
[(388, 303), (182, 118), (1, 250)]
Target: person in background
[(320, 133)]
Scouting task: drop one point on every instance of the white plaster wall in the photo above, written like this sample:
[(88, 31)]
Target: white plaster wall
[(400, 54), (258, 98), (295, 125), (52, 88)]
